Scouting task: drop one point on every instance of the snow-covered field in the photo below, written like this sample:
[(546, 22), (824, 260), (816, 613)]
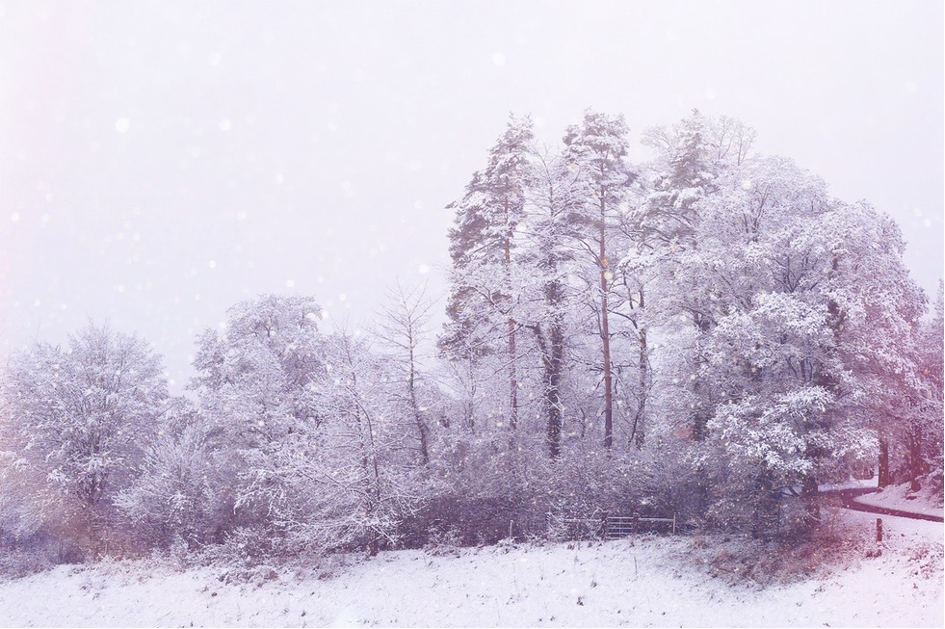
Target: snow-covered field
[(651, 582), (899, 497)]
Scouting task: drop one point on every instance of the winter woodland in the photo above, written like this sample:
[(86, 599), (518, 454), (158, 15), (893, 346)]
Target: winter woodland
[(706, 335)]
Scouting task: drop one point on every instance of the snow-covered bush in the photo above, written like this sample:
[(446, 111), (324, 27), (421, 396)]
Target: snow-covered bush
[(179, 493)]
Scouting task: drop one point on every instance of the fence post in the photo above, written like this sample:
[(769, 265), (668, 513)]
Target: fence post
[(879, 529), (674, 522)]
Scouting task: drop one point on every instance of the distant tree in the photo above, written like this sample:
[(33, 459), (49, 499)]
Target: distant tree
[(402, 329)]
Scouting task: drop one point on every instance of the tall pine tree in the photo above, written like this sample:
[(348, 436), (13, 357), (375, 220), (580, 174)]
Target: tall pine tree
[(482, 302), (598, 149)]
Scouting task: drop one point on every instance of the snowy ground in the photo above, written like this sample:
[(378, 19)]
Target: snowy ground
[(853, 483), (652, 582), (899, 497)]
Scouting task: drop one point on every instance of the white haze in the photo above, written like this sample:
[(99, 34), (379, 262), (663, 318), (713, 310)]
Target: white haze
[(160, 161)]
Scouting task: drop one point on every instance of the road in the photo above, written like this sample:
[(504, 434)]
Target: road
[(847, 498)]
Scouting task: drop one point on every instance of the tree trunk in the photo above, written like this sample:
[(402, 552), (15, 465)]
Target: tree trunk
[(422, 427), (809, 496), (639, 427), (374, 546), (605, 331), (883, 479), (513, 379), (552, 358), (554, 390), (700, 418), (364, 427), (765, 511), (916, 465)]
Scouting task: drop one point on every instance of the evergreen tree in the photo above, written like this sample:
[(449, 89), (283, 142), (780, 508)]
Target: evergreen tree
[(597, 148), (483, 300)]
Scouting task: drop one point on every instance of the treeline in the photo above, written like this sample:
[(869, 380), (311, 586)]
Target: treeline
[(707, 333)]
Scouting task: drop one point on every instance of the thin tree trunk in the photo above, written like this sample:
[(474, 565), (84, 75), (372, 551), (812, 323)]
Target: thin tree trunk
[(372, 475), (605, 331), (639, 422), (422, 427), (700, 419), (638, 429), (554, 389), (513, 379)]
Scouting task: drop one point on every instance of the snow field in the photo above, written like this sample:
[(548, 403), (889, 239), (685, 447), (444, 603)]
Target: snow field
[(648, 582)]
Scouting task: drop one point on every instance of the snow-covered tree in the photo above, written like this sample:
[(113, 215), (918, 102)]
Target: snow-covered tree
[(597, 149), (909, 382), (806, 301), (349, 480), (180, 489), (255, 384), (690, 157), (83, 414), (931, 337), (552, 215), (402, 329), (482, 304)]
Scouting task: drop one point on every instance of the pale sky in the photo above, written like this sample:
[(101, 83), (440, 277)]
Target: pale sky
[(160, 161)]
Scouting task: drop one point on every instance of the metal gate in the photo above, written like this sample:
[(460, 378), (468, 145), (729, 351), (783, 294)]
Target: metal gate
[(606, 526)]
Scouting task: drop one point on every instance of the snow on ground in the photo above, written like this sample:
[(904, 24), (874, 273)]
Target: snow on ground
[(647, 582), (853, 483), (899, 497)]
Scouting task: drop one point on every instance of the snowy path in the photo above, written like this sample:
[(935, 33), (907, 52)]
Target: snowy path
[(849, 498), (649, 583)]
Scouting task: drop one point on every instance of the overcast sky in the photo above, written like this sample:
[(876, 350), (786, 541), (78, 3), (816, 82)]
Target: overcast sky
[(160, 161)]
